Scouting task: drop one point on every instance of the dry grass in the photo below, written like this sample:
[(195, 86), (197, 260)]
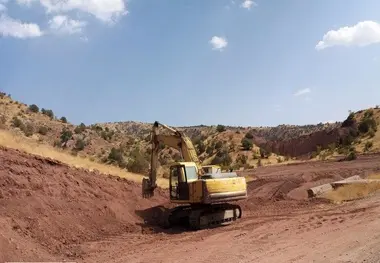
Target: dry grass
[(354, 191), (31, 146)]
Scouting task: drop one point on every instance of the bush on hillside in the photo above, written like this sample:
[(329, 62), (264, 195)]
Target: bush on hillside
[(246, 144), (351, 155), (115, 155), (3, 121), (80, 128), (43, 130), (66, 135), (218, 145), (350, 121), (368, 122), (63, 119), (222, 158), (48, 113), (28, 130), (34, 108), (368, 145), (241, 159), (16, 122), (249, 135), (220, 128), (79, 145), (138, 163)]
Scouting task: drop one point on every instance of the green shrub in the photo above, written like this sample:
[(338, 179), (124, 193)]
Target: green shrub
[(249, 135), (79, 145), (34, 108), (43, 130), (220, 128), (218, 145), (368, 145), (80, 128), (222, 158), (63, 119), (116, 155), (138, 163), (28, 130), (246, 144), (351, 156), (368, 122), (16, 122), (66, 135), (48, 113)]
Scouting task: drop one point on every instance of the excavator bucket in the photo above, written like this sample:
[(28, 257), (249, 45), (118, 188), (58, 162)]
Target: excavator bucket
[(147, 189)]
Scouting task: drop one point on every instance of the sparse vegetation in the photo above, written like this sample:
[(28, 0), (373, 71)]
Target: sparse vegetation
[(246, 144), (80, 128), (235, 147), (368, 145), (220, 128), (34, 108), (43, 130), (48, 113), (66, 135)]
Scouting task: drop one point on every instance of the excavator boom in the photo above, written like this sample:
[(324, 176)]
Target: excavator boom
[(176, 140)]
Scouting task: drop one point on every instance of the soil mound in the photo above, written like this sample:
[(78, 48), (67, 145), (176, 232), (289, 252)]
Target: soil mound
[(49, 208)]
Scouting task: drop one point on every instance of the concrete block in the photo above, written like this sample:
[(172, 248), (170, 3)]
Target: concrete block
[(318, 190)]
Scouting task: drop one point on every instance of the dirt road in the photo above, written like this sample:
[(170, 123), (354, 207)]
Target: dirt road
[(49, 211)]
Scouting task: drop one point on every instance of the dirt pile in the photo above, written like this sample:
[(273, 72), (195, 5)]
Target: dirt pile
[(47, 208)]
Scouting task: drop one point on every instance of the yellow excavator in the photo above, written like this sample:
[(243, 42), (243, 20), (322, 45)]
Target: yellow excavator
[(203, 194)]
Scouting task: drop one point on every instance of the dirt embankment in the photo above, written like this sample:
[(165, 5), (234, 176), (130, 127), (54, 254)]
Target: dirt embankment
[(49, 211), (306, 144), (47, 208)]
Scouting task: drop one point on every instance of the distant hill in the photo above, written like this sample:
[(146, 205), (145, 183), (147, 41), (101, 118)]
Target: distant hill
[(126, 144)]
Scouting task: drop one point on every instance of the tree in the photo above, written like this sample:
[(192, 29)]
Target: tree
[(66, 135), (80, 145), (220, 128), (34, 108), (80, 128), (48, 113), (43, 130), (115, 155), (246, 144), (63, 119)]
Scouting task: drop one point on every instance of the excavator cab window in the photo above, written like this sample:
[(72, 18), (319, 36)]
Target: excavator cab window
[(179, 188)]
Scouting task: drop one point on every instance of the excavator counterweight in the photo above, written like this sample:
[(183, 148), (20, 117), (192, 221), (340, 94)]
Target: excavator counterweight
[(202, 193)]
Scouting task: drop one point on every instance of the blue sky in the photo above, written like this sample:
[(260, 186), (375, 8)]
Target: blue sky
[(192, 62)]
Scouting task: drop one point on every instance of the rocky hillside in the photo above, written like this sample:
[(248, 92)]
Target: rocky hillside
[(126, 144)]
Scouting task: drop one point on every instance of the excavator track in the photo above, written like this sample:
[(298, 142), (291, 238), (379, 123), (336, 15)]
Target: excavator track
[(205, 216)]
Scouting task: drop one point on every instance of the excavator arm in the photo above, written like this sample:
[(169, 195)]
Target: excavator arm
[(176, 140)]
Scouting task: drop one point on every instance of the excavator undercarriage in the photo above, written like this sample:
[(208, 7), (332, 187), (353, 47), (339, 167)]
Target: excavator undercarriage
[(198, 217)]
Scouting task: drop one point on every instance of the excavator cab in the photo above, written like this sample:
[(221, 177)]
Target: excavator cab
[(181, 174)]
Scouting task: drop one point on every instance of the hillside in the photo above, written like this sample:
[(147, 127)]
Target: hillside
[(127, 144)]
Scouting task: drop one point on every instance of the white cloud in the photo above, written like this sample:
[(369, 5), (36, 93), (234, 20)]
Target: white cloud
[(362, 34), (302, 92), (10, 27), (64, 25), (104, 10), (218, 43), (2, 5), (247, 4)]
